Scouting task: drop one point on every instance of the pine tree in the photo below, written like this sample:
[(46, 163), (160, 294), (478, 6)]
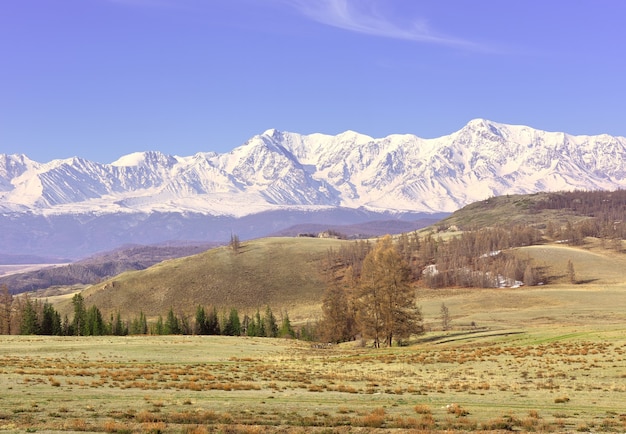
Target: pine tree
[(159, 327), (256, 326), (213, 323), (307, 332), (444, 314), (252, 327), (269, 324), (286, 331), (201, 321), (6, 305), (172, 324), (50, 321), (30, 322), (143, 323), (232, 325), (118, 329), (79, 323), (95, 325)]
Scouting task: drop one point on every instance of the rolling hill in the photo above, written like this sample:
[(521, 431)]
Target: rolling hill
[(97, 267), (280, 272), (285, 273)]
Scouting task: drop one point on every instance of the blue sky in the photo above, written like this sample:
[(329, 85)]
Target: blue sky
[(102, 78)]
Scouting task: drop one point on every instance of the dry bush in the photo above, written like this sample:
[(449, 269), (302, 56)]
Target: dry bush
[(344, 410), (497, 424), (198, 429), (422, 409), (113, 426), (346, 388), (375, 419), (145, 416), (456, 410), (153, 427), (226, 418), (76, 425), (426, 422), (198, 417), (405, 422)]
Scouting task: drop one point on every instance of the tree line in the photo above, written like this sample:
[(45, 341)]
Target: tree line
[(28, 316), (603, 216), (472, 259), (371, 287)]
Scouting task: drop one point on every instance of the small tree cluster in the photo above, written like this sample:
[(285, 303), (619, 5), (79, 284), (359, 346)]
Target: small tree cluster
[(601, 214), (380, 304), (472, 259), (234, 243), (33, 317)]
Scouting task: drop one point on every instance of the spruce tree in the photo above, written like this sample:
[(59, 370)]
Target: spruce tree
[(172, 325), (30, 322), (79, 323)]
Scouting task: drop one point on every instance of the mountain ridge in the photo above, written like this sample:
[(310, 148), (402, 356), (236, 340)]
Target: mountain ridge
[(278, 169), (279, 172)]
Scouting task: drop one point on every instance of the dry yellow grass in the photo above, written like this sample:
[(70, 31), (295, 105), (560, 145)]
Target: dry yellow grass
[(543, 379), (283, 273)]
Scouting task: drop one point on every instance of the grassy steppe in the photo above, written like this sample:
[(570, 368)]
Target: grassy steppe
[(547, 359), (283, 273), (545, 380)]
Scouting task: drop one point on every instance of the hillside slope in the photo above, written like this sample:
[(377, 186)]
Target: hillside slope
[(280, 272), (543, 209), (286, 273), (97, 267)]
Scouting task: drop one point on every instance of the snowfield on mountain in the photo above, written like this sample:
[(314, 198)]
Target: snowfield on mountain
[(282, 169)]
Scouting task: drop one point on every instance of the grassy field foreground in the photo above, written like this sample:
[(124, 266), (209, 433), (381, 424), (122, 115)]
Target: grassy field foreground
[(567, 379)]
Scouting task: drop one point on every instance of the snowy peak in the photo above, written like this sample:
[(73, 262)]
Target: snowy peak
[(12, 167), (282, 169), (150, 159)]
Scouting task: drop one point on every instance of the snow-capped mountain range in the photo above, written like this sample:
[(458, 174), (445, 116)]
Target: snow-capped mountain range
[(279, 170)]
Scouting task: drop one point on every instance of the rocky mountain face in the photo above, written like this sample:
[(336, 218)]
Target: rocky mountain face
[(276, 178)]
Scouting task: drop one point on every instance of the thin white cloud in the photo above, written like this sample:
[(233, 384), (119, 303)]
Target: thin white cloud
[(360, 16)]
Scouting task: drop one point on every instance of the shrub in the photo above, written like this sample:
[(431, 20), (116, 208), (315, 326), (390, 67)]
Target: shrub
[(422, 409), (456, 410), (375, 419)]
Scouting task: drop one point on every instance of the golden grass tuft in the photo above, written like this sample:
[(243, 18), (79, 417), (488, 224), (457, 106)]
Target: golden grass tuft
[(375, 419)]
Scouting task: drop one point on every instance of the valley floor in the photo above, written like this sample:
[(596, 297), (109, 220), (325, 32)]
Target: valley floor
[(549, 358), (540, 378)]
